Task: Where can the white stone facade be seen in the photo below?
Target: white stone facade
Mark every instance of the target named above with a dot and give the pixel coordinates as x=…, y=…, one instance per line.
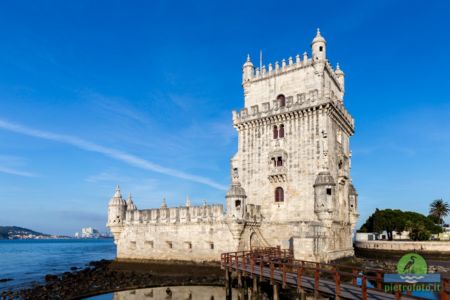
x=291, y=184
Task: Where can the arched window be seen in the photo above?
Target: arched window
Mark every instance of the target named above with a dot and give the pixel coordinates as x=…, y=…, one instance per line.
x=279, y=161
x=279, y=194
x=281, y=132
x=281, y=100
x=275, y=132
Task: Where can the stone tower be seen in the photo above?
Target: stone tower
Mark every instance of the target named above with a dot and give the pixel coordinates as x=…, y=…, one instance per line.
x=293, y=153
x=290, y=178
x=116, y=213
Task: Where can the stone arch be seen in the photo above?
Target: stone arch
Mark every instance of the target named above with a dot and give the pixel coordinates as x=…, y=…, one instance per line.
x=255, y=242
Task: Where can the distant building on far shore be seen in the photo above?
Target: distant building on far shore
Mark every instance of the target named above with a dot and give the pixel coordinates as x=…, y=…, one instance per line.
x=90, y=233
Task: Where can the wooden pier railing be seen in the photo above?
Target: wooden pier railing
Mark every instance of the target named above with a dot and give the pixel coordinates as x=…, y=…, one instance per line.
x=342, y=281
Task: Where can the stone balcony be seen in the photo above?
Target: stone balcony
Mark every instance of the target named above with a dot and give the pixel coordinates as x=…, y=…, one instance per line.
x=277, y=174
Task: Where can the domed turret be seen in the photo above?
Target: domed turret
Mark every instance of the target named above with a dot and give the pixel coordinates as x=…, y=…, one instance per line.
x=236, y=198
x=318, y=47
x=340, y=75
x=247, y=70
x=116, y=213
x=130, y=203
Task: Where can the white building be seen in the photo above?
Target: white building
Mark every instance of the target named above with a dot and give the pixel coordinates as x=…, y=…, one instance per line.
x=290, y=178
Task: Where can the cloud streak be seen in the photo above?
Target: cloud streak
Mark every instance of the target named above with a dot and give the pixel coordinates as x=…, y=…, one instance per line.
x=109, y=152
x=15, y=172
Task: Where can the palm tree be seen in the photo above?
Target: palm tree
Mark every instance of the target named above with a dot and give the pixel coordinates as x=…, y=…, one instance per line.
x=439, y=209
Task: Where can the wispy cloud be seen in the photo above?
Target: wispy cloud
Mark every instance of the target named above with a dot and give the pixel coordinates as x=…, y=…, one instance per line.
x=11, y=171
x=116, y=106
x=110, y=152
x=10, y=164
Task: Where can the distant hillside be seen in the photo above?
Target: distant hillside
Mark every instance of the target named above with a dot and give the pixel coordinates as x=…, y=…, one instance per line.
x=7, y=232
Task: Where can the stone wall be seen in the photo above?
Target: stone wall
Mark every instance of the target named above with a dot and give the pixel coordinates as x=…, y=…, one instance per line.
x=405, y=246
x=195, y=242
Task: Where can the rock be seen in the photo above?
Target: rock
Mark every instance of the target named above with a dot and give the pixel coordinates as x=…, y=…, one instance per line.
x=73, y=268
x=5, y=279
x=50, y=277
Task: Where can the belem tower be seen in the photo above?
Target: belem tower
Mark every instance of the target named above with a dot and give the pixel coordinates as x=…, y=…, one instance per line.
x=290, y=178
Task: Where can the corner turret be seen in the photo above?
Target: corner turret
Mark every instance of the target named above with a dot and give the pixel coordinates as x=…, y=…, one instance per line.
x=130, y=204
x=116, y=214
x=247, y=70
x=340, y=76
x=324, y=197
x=318, y=47
x=236, y=198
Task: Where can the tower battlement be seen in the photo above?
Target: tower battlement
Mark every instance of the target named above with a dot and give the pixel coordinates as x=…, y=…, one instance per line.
x=301, y=104
x=183, y=214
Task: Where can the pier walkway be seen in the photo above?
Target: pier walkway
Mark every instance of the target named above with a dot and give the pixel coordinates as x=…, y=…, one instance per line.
x=341, y=282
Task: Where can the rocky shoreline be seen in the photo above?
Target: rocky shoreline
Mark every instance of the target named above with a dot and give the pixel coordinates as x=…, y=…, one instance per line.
x=109, y=276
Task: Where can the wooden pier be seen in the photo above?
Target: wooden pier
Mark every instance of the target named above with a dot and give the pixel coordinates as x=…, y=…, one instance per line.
x=338, y=281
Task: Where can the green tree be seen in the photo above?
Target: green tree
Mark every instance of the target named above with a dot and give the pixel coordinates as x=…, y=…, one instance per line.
x=389, y=220
x=418, y=232
x=439, y=209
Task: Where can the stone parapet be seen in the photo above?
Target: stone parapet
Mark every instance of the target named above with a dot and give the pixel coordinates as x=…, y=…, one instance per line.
x=171, y=215
x=303, y=103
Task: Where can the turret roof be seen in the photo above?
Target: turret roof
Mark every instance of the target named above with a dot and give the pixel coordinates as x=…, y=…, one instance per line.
x=319, y=37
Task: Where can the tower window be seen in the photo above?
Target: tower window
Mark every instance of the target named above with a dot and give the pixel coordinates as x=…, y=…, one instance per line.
x=281, y=131
x=279, y=161
x=329, y=191
x=279, y=194
x=237, y=203
x=274, y=161
x=281, y=100
x=320, y=48
x=275, y=132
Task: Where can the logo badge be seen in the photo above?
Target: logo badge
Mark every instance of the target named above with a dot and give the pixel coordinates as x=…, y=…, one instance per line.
x=412, y=272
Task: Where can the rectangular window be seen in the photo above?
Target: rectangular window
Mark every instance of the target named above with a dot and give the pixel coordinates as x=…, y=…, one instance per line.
x=211, y=246
x=169, y=244
x=329, y=191
x=149, y=244
x=279, y=161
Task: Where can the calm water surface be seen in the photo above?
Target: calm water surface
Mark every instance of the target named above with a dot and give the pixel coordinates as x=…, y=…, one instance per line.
x=26, y=261
x=172, y=293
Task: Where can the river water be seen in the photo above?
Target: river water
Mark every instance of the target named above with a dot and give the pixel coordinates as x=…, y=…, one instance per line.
x=28, y=261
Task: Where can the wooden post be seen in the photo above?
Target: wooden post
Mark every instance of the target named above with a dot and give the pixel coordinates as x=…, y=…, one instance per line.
x=261, y=268
x=299, y=279
x=244, y=264
x=337, y=280
x=236, y=258
x=364, y=288
x=444, y=285
x=398, y=293
x=316, y=279
x=283, y=270
x=355, y=276
x=252, y=265
x=228, y=287
x=379, y=280
x=239, y=278
x=275, y=292
x=272, y=267
x=255, y=284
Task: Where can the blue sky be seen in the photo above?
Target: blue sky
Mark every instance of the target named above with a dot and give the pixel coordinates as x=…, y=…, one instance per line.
x=140, y=93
